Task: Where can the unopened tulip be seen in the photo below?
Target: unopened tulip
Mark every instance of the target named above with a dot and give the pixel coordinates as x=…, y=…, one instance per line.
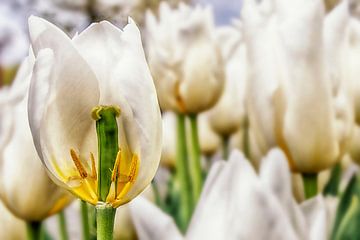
x=94, y=85
x=227, y=116
x=25, y=187
x=210, y=141
x=10, y=226
x=184, y=58
x=168, y=153
x=290, y=93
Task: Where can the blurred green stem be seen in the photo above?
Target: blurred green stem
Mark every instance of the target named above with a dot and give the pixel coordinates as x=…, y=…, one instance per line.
x=33, y=230
x=195, y=160
x=105, y=215
x=246, y=139
x=310, y=184
x=62, y=226
x=183, y=174
x=85, y=220
x=225, y=148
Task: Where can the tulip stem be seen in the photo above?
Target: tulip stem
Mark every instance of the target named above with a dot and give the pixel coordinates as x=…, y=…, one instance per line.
x=85, y=220
x=62, y=226
x=225, y=148
x=33, y=230
x=246, y=143
x=310, y=184
x=105, y=215
x=183, y=174
x=195, y=160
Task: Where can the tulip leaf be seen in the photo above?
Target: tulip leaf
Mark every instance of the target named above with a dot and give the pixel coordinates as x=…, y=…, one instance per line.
x=346, y=210
x=349, y=226
x=332, y=186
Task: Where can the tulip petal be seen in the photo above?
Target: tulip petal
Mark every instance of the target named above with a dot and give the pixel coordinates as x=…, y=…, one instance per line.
x=130, y=86
x=161, y=226
x=63, y=92
x=275, y=175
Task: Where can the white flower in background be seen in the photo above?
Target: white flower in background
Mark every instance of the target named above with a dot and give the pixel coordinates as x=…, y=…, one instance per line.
x=290, y=103
x=72, y=16
x=168, y=152
x=247, y=206
x=209, y=140
x=14, y=43
x=101, y=66
x=184, y=58
x=227, y=116
x=25, y=187
x=10, y=226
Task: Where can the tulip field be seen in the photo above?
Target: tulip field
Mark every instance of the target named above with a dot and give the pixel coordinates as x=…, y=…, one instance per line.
x=179, y=120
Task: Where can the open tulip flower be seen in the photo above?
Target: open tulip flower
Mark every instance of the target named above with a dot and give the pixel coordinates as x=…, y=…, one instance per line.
x=93, y=111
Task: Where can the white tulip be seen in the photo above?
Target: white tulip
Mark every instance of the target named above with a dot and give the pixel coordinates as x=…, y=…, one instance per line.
x=184, y=58
x=102, y=67
x=168, y=153
x=227, y=116
x=10, y=226
x=209, y=140
x=247, y=206
x=25, y=187
x=290, y=99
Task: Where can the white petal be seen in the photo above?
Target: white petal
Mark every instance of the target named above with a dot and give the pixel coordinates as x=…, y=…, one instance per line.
x=151, y=223
x=63, y=92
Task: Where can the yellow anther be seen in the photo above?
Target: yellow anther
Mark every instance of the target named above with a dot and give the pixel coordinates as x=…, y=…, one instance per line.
x=78, y=165
x=133, y=168
x=116, y=166
x=93, y=167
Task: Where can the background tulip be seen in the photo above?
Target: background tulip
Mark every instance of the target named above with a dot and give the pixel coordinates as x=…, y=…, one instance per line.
x=290, y=102
x=25, y=187
x=184, y=58
x=227, y=116
x=10, y=226
x=168, y=154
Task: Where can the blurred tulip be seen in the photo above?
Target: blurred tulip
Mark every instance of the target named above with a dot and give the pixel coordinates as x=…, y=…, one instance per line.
x=74, y=78
x=227, y=116
x=290, y=100
x=124, y=228
x=247, y=206
x=210, y=141
x=184, y=58
x=168, y=153
x=11, y=228
x=25, y=187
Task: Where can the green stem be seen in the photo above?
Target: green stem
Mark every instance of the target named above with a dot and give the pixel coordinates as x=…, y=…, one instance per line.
x=85, y=220
x=33, y=230
x=195, y=163
x=62, y=226
x=246, y=141
x=310, y=184
x=105, y=215
x=183, y=174
x=225, y=153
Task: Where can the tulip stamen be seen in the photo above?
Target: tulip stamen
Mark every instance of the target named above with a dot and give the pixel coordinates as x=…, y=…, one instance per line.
x=93, y=167
x=78, y=165
x=115, y=173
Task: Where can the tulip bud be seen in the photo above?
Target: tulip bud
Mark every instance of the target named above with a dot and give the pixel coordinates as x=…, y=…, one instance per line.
x=184, y=58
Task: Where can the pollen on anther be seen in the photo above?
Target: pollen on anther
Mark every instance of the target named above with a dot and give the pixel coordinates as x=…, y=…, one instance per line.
x=93, y=166
x=116, y=166
x=78, y=165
